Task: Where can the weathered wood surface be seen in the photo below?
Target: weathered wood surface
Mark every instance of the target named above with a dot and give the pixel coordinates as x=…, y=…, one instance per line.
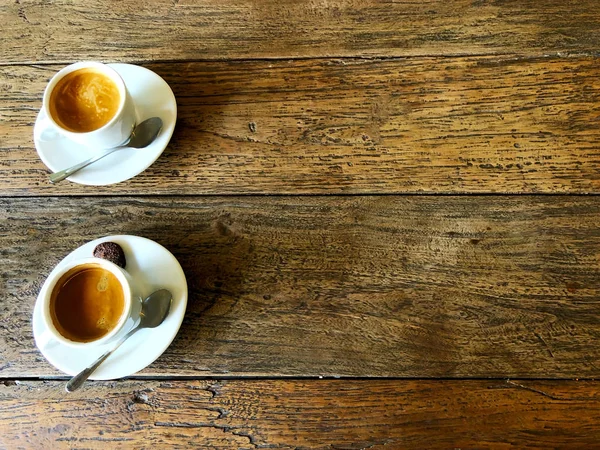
x=424, y=286
x=462, y=125
x=327, y=97
x=35, y=31
x=310, y=414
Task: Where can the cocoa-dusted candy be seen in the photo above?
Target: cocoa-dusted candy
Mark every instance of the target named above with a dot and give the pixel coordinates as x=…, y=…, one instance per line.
x=112, y=252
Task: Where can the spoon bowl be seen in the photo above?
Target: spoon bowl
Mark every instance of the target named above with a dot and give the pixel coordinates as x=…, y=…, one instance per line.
x=155, y=309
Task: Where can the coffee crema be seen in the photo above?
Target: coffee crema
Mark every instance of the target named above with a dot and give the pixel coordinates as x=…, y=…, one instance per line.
x=84, y=100
x=87, y=303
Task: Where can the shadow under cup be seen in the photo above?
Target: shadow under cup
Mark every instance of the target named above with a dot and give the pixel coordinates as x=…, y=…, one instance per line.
x=88, y=303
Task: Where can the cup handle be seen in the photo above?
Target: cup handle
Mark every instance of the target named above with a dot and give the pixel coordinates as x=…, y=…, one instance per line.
x=45, y=131
x=44, y=340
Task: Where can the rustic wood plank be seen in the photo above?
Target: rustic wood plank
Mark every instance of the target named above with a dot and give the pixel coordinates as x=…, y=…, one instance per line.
x=36, y=31
x=395, y=126
x=422, y=286
x=310, y=414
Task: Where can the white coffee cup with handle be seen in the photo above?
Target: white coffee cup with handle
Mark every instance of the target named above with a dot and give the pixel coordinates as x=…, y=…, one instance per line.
x=88, y=103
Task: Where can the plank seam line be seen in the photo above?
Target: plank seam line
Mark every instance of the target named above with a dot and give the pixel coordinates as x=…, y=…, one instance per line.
x=507, y=380
x=315, y=195
x=518, y=56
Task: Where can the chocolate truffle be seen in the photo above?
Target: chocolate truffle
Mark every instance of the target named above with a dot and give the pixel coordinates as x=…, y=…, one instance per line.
x=112, y=252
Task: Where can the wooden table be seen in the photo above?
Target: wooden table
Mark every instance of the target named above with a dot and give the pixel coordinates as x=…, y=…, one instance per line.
x=387, y=214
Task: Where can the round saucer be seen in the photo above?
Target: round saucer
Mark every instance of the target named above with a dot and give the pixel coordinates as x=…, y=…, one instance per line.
x=154, y=267
x=152, y=97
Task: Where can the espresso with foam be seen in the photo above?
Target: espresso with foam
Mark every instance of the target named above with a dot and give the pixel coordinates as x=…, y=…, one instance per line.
x=84, y=100
x=87, y=303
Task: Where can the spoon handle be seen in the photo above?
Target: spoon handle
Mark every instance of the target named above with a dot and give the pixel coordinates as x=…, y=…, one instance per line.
x=76, y=382
x=59, y=176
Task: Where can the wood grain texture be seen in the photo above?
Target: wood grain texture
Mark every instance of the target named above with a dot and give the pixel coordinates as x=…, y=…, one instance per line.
x=38, y=31
x=441, y=286
x=453, y=125
x=311, y=414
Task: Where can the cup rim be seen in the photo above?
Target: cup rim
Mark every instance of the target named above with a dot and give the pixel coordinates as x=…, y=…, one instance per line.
x=50, y=285
x=107, y=70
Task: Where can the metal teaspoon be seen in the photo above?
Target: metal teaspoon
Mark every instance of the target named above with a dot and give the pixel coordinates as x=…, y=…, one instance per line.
x=154, y=311
x=142, y=136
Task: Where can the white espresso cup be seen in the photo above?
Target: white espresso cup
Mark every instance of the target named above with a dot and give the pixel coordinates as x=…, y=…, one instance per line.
x=71, y=299
x=92, y=99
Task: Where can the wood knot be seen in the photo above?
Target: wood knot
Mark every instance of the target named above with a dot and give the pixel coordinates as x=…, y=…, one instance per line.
x=140, y=397
x=223, y=229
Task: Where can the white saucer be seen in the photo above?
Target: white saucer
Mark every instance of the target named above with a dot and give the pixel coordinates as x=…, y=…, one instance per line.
x=154, y=267
x=152, y=96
